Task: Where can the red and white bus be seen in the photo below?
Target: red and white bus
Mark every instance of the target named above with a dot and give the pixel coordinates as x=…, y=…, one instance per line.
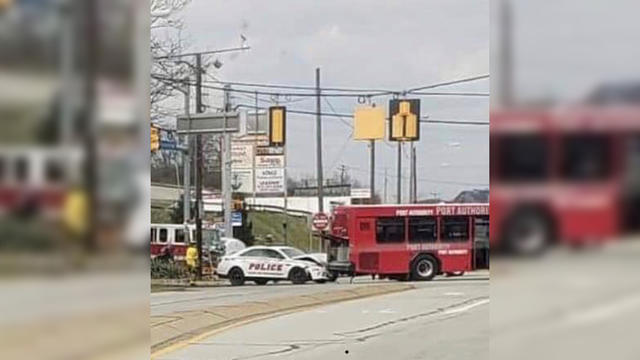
x=563, y=174
x=409, y=241
x=177, y=237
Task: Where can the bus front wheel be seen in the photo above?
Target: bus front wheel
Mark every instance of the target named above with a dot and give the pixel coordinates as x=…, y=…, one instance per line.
x=424, y=268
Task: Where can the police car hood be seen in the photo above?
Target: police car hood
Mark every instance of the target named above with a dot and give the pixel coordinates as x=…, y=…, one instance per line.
x=313, y=257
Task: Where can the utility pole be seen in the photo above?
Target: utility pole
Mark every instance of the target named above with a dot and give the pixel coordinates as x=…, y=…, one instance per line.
x=319, y=148
x=90, y=46
x=372, y=180
x=399, y=185
x=67, y=63
x=414, y=170
x=385, y=200
x=506, y=78
x=227, y=189
x=255, y=149
x=199, y=166
x=319, y=144
x=186, y=162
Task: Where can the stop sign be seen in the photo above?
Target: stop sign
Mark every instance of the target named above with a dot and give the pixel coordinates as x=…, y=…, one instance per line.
x=320, y=221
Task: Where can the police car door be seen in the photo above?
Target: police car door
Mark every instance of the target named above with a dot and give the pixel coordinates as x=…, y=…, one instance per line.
x=277, y=263
x=251, y=261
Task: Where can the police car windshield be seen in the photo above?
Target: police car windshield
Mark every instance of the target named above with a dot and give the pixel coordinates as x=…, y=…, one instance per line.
x=292, y=252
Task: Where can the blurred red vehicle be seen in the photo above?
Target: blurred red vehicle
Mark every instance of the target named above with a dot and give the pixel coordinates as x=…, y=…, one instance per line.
x=563, y=175
x=36, y=180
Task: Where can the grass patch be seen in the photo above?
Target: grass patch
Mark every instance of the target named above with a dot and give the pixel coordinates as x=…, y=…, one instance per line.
x=270, y=223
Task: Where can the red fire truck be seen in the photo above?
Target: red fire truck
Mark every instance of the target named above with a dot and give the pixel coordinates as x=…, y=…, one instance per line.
x=563, y=174
x=409, y=241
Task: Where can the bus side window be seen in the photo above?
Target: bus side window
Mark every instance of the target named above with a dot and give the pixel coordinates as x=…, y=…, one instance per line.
x=163, y=236
x=481, y=229
x=179, y=236
x=21, y=169
x=3, y=169
x=153, y=235
x=390, y=230
x=455, y=229
x=422, y=229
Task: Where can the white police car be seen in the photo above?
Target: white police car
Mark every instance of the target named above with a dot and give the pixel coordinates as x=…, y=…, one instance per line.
x=263, y=263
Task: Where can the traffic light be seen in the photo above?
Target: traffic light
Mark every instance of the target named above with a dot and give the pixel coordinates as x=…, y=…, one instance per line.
x=405, y=120
x=277, y=125
x=155, y=138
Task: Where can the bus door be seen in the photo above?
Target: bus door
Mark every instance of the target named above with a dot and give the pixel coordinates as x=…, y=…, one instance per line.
x=481, y=242
x=455, y=243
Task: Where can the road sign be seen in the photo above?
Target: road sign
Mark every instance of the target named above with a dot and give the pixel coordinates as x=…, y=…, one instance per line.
x=236, y=219
x=360, y=193
x=368, y=123
x=209, y=123
x=320, y=221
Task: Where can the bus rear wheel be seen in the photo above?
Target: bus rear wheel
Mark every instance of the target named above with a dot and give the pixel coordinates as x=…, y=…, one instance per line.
x=424, y=268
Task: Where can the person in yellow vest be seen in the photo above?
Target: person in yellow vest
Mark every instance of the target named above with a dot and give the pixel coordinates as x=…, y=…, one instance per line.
x=192, y=263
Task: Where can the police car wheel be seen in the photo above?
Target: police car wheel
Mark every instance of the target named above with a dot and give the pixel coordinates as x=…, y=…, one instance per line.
x=298, y=276
x=424, y=268
x=236, y=277
x=261, y=281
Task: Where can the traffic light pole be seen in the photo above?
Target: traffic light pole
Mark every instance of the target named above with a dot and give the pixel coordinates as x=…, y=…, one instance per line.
x=372, y=183
x=399, y=189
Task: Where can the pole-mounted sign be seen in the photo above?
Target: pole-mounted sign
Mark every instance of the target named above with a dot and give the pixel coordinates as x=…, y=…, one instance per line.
x=404, y=124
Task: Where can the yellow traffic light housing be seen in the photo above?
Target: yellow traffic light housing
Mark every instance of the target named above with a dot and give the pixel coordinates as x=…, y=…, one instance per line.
x=155, y=138
x=277, y=125
x=404, y=117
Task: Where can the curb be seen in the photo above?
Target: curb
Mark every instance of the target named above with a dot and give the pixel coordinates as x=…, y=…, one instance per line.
x=172, y=332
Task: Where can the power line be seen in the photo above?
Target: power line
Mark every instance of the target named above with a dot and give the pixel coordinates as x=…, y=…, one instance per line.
x=297, y=87
x=444, y=182
x=423, y=119
x=447, y=83
x=339, y=92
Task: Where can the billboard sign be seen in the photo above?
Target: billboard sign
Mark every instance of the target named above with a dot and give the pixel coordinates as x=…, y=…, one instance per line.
x=269, y=161
x=242, y=180
x=241, y=156
x=270, y=180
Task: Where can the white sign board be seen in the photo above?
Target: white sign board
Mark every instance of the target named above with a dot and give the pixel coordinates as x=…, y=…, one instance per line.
x=241, y=156
x=360, y=193
x=242, y=180
x=269, y=161
x=270, y=180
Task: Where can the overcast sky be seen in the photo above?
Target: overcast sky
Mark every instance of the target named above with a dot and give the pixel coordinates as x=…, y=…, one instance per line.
x=364, y=44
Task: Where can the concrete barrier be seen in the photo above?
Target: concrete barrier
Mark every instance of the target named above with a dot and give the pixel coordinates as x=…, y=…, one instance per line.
x=170, y=332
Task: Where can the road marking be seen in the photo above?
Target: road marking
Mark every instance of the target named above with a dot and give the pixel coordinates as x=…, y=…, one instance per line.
x=454, y=294
x=466, y=307
x=605, y=311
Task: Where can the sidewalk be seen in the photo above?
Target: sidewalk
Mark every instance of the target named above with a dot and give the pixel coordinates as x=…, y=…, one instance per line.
x=169, y=332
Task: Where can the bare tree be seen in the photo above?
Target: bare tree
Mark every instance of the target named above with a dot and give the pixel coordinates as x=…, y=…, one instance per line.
x=166, y=41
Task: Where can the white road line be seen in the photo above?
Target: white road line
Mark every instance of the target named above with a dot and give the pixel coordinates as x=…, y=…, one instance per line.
x=454, y=294
x=604, y=312
x=466, y=307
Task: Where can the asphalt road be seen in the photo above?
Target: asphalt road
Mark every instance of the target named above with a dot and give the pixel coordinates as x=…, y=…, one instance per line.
x=444, y=319
x=166, y=302
x=568, y=305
